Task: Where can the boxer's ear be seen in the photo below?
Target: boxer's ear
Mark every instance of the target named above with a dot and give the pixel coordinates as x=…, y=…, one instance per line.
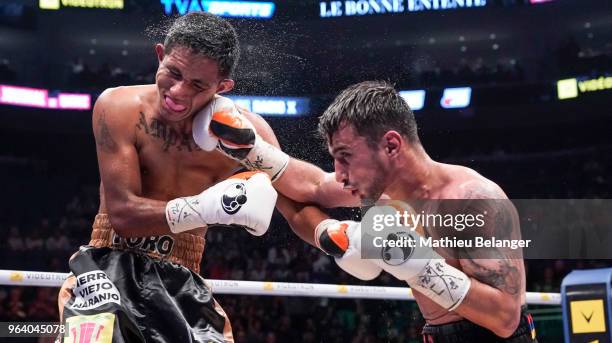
x=225, y=86
x=159, y=50
x=392, y=142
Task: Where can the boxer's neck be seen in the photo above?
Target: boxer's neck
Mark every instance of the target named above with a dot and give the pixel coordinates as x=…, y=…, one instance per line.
x=416, y=176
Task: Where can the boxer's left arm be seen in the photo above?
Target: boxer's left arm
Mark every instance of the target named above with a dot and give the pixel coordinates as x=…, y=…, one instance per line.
x=247, y=138
x=303, y=181
x=487, y=289
x=497, y=283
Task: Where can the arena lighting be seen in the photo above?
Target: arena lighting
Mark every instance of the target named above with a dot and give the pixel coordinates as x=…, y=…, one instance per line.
x=34, y=97
x=74, y=101
x=23, y=96
x=237, y=9
x=456, y=97
x=57, y=4
x=370, y=7
x=274, y=106
x=415, y=99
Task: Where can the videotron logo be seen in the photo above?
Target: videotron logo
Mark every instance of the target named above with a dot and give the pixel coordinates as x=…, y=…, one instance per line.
x=57, y=4
x=49, y=4
x=16, y=276
x=567, y=89
x=572, y=88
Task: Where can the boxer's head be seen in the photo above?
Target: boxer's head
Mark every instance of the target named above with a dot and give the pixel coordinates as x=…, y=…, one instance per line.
x=366, y=127
x=196, y=61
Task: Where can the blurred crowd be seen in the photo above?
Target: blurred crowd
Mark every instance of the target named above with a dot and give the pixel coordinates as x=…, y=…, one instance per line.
x=266, y=71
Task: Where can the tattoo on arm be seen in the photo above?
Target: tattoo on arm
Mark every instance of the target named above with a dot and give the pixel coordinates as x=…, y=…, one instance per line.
x=105, y=139
x=505, y=276
x=496, y=267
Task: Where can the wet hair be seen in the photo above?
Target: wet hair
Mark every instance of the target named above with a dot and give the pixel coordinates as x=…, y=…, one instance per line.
x=372, y=108
x=208, y=35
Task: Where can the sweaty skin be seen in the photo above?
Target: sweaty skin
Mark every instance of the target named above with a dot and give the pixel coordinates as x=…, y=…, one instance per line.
x=498, y=285
x=401, y=170
x=506, y=277
x=146, y=160
x=147, y=155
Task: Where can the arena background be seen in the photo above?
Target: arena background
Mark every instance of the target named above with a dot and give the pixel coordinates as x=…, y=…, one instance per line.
x=513, y=127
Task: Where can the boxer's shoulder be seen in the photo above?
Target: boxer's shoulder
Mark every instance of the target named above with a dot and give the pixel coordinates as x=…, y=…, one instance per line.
x=117, y=110
x=126, y=99
x=466, y=183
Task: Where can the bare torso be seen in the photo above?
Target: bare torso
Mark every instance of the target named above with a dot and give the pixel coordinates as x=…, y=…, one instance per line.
x=171, y=165
x=461, y=182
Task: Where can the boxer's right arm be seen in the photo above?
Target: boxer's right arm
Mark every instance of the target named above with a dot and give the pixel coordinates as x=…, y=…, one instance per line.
x=340, y=239
x=130, y=213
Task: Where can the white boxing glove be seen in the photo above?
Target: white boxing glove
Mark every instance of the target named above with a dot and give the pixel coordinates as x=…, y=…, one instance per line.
x=416, y=263
x=424, y=270
x=245, y=199
x=220, y=125
x=342, y=239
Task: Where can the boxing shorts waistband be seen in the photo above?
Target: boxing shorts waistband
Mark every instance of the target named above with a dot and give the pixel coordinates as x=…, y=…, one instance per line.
x=185, y=248
x=460, y=330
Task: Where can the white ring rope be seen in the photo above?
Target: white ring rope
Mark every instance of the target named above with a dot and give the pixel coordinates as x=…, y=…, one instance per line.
x=47, y=279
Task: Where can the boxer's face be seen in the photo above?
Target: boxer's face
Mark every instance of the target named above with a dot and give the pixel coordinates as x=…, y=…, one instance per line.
x=186, y=82
x=359, y=166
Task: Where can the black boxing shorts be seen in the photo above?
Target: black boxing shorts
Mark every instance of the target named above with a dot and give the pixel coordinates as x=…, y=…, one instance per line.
x=465, y=331
x=127, y=294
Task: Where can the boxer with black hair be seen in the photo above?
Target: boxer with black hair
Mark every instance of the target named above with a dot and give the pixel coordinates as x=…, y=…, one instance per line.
x=138, y=278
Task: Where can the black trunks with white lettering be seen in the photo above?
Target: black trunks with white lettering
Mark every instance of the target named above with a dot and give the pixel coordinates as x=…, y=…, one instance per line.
x=121, y=296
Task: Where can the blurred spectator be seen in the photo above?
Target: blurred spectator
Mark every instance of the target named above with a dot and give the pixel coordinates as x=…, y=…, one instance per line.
x=43, y=307
x=16, y=309
x=15, y=242
x=7, y=74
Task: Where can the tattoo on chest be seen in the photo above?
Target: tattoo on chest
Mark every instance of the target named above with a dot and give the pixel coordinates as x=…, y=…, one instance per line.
x=169, y=136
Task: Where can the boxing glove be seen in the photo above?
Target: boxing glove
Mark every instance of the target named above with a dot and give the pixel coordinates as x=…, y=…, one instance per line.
x=245, y=199
x=418, y=264
x=220, y=125
x=342, y=240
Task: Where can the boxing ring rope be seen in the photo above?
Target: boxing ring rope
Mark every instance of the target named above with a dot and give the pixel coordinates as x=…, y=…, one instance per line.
x=269, y=288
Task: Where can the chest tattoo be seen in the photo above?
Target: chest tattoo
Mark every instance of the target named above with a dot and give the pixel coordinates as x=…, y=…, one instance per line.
x=170, y=137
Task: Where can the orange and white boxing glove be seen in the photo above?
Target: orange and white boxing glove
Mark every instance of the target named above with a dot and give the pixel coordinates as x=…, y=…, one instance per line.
x=421, y=267
x=220, y=125
x=342, y=240
x=246, y=200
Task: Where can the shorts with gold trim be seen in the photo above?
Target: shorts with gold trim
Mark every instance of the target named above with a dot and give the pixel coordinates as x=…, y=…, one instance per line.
x=121, y=296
